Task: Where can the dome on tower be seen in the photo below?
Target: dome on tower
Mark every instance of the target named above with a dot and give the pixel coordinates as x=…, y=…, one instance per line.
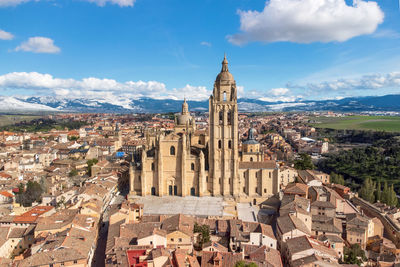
x=224, y=75
x=184, y=117
x=250, y=137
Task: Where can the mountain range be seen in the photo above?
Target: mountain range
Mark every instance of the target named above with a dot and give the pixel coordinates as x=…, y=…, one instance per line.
x=10, y=104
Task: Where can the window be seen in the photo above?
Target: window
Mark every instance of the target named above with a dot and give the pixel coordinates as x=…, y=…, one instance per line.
x=172, y=150
x=224, y=96
x=153, y=191
x=219, y=144
x=151, y=242
x=152, y=166
x=180, y=239
x=229, y=118
x=172, y=239
x=199, y=142
x=75, y=261
x=229, y=144
x=265, y=190
x=221, y=117
x=192, y=166
x=251, y=158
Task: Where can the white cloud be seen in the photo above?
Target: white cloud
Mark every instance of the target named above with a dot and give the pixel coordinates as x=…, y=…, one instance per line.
x=366, y=82
x=306, y=21
x=121, y=3
x=205, y=44
x=97, y=88
x=6, y=3
x=38, y=45
x=5, y=35
x=279, y=91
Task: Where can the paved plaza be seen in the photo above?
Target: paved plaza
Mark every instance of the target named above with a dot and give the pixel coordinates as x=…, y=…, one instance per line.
x=199, y=206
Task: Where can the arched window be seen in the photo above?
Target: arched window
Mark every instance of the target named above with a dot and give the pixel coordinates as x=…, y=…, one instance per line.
x=172, y=150
x=152, y=166
x=251, y=158
x=224, y=96
x=221, y=117
x=229, y=118
x=192, y=166
x=229, y=144
x=219, y=144
x=199, y=142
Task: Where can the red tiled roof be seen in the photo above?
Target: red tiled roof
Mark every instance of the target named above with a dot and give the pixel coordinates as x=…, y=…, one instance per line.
x=6, y=194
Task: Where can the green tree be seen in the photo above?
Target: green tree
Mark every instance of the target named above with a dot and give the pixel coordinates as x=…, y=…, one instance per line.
x=385, y=193
x=392, y=198
x=244, y=264
x=304, y=162
x=204, y=231
x=90, y=164
x=378, y=192
x=337, y=178
x=354, y=255
x=367, y=191
x=73, y=173
x=32, y=193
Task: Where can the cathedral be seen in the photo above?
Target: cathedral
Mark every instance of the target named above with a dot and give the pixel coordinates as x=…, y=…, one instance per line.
x=189, y=162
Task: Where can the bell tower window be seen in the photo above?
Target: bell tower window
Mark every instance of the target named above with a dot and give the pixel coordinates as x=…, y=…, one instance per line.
x=221, y=117
x=219, y=144
x=224, y=96
x=229, y=118
x=172, y=150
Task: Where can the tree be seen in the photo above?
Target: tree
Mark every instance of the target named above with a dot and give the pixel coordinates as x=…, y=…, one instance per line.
x=244, y=264
x=204, y=231
x=385, y=193
x=367, y=190
x=304, y=162
x=378, y=192
x=32, y=193
x=90, y=163
x=354, y=255
x=337, y=178
x=73, y=173
x=392, y=198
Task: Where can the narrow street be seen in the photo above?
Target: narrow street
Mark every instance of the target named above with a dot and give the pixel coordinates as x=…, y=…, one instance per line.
x=99, y=254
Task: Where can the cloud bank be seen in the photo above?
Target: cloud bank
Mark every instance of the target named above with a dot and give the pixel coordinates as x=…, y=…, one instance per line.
x=97, y=88
x=306, y=21
x=365, y=82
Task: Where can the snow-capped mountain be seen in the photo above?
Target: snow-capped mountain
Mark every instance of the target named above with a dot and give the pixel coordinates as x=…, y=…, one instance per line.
x=149, y=105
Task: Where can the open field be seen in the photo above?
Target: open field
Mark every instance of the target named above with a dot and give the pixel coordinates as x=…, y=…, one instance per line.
x=374, y=123
x=12, y=119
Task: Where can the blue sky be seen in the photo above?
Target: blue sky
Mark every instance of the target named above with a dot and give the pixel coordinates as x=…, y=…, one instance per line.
x=179, y=45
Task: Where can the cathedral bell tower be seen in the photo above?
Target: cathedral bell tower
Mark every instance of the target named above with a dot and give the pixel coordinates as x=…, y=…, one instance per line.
x=223, y=150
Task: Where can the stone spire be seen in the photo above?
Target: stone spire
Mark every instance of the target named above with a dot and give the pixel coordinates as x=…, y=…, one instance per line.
x=225, y=65
x=185, y=107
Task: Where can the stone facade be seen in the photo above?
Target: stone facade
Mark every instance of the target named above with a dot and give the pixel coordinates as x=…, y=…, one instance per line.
x=188, y=162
